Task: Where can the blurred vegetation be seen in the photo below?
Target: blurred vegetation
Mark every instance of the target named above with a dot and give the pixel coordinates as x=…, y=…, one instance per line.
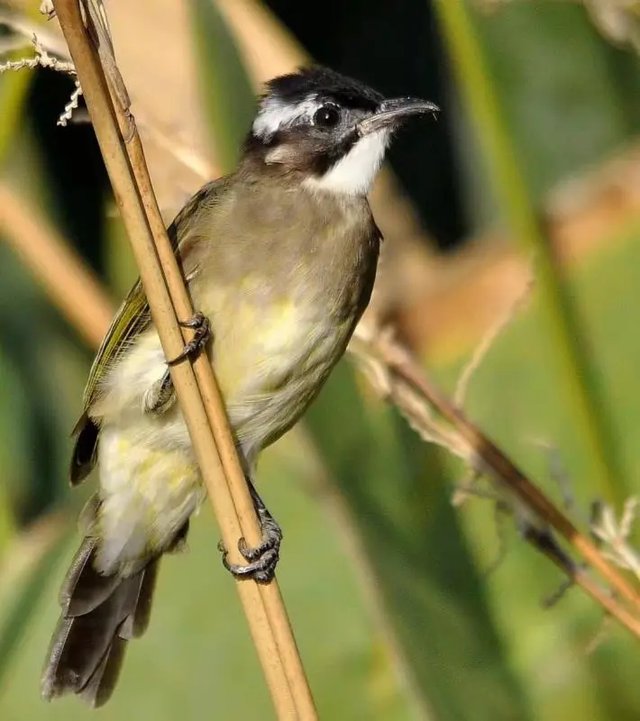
x=386, y=583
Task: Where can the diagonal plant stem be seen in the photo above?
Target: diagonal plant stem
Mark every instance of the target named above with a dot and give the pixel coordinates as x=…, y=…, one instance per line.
x=399, y=379
x=195, y=385
x=407, y=371
x=516, y=480
x=56, y=266
x=578, y=376
x=483, y=453
x=401, y=366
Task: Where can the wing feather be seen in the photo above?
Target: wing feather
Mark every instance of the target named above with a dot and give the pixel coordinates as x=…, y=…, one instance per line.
x=134, y=316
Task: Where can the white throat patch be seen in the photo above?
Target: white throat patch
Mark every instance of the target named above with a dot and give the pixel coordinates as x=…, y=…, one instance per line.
x=354, y=174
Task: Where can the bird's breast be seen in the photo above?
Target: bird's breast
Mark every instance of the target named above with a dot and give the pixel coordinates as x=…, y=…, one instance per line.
x=273, y=352
x=271, y=359
x=283, y=290
x=290, y=276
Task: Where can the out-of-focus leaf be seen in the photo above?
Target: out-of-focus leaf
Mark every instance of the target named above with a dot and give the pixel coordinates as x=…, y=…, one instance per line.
x=514, y=398
x=14, y=446
x=394, y=489
x=39, y=555
x=15, y=460
x=42, y=385
x=225, y=86
x=572, y=355
x=13, y=90
x=7, y=518
x=561, y=85
x=196, y=659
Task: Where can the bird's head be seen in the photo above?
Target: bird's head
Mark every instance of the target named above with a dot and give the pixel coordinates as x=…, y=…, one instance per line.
x=330, y=130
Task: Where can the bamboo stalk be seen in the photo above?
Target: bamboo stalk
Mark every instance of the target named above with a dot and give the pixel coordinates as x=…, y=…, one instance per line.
x=22, y=219
x=201, y=404
x=579, y=378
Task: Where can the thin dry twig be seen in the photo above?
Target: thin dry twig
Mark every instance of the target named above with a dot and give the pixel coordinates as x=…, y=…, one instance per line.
x=70, y=106
x=534, y=513
x=370, y=350
x=399, y=380
x=199, y=397
x=44, y=60
x=40, y=59
x=417, y=414
x=487, y=342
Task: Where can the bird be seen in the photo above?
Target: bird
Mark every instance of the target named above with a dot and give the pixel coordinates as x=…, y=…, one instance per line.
x=280, y=258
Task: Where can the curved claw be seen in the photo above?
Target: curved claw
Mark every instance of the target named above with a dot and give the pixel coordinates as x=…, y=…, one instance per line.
x=263, y=559
x=271, y=539
x=262, y=570
x=201, y=335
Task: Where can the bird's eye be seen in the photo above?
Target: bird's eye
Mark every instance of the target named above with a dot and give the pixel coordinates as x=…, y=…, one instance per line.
x=327, y=116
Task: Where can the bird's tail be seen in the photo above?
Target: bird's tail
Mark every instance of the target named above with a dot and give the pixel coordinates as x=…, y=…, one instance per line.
x=100, y=613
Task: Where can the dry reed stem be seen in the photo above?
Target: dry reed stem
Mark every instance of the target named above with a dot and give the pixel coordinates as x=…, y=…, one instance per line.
x=64, y=276
x=405, y=376
x=415, y=397
x=602, y=596
x=195, y=385
x=214, y=406
x=415, y=390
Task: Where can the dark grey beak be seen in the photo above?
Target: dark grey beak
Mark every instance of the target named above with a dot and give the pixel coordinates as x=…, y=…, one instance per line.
x=393, y=112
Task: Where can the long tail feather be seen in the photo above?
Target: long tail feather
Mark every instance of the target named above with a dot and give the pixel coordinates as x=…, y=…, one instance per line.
x=99, y=615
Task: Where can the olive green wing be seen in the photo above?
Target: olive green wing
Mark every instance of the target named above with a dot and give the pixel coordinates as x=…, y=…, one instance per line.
x=132, y=318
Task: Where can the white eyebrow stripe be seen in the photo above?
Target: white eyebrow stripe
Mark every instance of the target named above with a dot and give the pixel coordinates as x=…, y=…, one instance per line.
x=275, y=114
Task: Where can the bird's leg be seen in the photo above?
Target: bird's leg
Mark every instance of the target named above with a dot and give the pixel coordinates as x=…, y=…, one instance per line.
x=262, y=559
x=201, y=334
x=161, y=396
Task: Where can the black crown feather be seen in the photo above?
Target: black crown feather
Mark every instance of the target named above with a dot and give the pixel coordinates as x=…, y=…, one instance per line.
x=319, y=80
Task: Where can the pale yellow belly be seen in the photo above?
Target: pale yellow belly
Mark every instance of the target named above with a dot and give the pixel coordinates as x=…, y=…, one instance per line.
x=147, y=493
x=269, y=366
x=270, y=361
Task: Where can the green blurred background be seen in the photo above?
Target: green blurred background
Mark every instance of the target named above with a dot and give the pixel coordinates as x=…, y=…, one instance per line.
x=386, y=583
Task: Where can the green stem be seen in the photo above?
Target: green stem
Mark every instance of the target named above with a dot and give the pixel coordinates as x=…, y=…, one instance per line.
x=13, y=92
x=225, y=87
x=579, y=378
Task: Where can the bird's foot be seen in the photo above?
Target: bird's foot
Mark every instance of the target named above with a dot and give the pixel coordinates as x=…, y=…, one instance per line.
x=262, y=559
x=161, y=396
x=201, y=335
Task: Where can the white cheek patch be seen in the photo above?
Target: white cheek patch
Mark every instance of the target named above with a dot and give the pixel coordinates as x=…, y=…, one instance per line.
x=354, y=174
x=275, y=114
